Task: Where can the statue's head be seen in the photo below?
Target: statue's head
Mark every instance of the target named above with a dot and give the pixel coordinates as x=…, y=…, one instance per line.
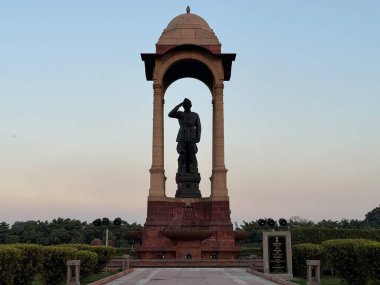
x=186, y=104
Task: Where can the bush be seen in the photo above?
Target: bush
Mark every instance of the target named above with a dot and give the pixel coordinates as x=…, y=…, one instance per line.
x=341, y=255
x=10, y=259
x=105, y=254
x=54, y=261
x=318, y=234
x=303, y=252
x=120, y=251
x=30, y=264
x=88, y=262
x=368, y=255
x=248, y=251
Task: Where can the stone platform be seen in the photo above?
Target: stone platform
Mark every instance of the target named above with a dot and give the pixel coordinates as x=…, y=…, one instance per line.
x=257, y=264
x=192, y=276
x=192, y=228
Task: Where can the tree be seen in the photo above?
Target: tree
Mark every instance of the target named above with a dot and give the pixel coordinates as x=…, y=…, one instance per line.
x=32, y=232
x=66, y=231
x=352, y=224
x=328, y=224
x=62, y=231
x=298, y=221
x=373, y=217
x=255, y=231
x=4, y=232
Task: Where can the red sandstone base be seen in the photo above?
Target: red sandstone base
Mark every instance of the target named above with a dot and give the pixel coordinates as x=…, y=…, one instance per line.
x=188, y=228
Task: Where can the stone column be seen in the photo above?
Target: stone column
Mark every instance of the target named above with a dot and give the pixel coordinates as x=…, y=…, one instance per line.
x=157, y=171
x=219, y=171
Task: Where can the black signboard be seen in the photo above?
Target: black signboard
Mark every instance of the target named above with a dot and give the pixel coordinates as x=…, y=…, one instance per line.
x=277, y=254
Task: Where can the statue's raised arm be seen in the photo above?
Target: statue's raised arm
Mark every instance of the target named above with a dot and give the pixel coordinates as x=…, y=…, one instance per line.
x=173, y=113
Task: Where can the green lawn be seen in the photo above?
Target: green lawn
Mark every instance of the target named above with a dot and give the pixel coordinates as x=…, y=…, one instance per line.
x=88, y=280
x=325, y=280
x=96, y=277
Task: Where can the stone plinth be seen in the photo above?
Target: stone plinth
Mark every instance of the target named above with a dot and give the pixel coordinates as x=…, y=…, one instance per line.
x=115, y=264
x=73, y=272
x=277, y=254
x=176, y=228
x=188, y=185
x=313, y=272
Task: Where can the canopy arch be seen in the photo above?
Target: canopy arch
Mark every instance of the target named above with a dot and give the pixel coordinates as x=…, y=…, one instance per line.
x=188, y=61
x=188, y=48
x=188, y=68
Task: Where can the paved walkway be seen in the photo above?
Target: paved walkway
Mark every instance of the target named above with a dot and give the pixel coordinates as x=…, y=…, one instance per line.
x=190, y=276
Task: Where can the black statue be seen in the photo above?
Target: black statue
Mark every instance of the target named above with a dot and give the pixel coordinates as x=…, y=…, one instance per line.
x=189, y=135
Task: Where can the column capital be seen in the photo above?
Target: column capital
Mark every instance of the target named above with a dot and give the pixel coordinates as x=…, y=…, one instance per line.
x=218, y=86
x=156, y=169
x=157, y=86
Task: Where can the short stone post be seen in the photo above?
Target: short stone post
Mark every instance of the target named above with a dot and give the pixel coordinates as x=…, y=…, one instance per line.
x=73, y=273
x=125, y=262
x=313, y=272
x=252, y=259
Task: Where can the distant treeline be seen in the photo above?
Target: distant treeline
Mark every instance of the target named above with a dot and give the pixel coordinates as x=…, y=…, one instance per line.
x=62, y=231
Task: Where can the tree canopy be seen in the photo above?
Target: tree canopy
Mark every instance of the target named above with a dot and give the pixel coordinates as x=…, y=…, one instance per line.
x=373, y=217
x=62, y=231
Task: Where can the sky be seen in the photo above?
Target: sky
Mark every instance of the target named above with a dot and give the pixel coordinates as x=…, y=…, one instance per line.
x=302, y=108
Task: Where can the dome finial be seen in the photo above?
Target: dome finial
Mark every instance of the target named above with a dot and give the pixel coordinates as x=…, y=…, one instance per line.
x=188, y=9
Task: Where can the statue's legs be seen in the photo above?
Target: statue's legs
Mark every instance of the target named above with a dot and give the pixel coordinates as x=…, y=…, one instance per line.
x=187, y=177
x=181, y=163
x=187, y=161
x=194, y=164
x=181, y=149
x=191, y=161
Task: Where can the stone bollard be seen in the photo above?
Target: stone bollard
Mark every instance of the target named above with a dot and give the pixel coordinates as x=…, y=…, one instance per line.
x=73, y=267
x=313, y=272
x=252, y=259
x=125, y=262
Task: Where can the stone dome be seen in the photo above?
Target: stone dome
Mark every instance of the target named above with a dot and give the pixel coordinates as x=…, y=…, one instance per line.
x=186, y=29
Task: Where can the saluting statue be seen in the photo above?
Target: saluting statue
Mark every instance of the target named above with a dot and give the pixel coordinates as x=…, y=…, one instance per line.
x=189, y=135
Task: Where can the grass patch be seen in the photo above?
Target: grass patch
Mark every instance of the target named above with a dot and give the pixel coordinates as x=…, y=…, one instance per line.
x=38, y=279
x=325, y=280
x=96, y=277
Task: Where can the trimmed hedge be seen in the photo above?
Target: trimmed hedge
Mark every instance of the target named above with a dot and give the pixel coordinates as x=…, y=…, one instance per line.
x=248, y=251
x=368, y=255
x=88, y=262
x=354, y=260
x=120, y=251
x=105, y=254
x=318, y=235
x=54, y=261
x=301, y=253
x=10, y=259
x=19, y=263
x=30, y=263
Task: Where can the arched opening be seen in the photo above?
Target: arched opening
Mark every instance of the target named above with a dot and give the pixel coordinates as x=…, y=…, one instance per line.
x=198, y=93
x=188, y=68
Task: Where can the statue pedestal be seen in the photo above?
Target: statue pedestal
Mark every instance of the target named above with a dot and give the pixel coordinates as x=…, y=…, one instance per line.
x=177, y=228
x=188, y=185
